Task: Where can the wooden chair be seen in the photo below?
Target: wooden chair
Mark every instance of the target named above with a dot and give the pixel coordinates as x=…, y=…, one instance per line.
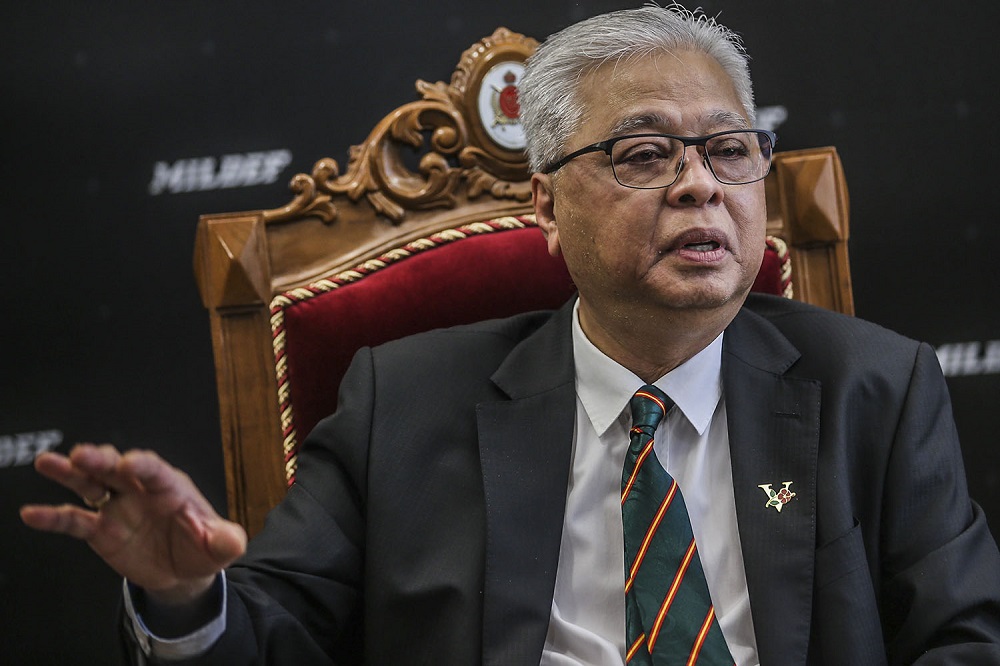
x=429, y=226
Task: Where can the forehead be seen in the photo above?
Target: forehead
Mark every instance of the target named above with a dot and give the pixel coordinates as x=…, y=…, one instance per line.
x=681, y=92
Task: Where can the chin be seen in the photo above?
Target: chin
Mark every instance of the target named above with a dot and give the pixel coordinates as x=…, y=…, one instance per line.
x=703, y=302
x=698, y=294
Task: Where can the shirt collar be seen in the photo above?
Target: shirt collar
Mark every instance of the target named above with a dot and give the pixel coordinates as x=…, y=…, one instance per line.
x=605, y=387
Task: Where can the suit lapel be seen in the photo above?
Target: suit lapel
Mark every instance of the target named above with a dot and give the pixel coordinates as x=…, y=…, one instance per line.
x=774, y=438
x=525, y=445
x=525, y=448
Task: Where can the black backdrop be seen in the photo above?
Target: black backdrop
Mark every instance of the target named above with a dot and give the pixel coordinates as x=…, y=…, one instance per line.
x=104, y=337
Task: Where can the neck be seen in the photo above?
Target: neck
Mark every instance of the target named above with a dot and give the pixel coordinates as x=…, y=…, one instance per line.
x=651, y=343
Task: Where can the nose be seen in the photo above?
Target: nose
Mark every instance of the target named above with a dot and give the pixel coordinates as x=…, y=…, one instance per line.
x=701, y=159
x=695, y=184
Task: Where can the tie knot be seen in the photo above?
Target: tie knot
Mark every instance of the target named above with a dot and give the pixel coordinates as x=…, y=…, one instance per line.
x=648, y=406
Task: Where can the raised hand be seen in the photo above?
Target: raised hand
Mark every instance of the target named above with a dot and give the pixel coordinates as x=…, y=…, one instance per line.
x=146, y=519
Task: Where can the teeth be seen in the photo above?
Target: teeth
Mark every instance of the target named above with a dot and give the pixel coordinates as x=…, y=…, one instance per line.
x=707, y=246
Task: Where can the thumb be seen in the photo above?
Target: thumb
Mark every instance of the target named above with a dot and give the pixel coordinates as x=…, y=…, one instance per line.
x=221, y=541
x=225, y=541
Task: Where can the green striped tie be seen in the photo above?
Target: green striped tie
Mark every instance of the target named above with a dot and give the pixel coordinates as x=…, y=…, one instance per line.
x=669, y=617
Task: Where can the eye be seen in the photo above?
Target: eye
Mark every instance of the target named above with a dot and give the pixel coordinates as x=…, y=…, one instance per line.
x=643, y=151
x=729, y=148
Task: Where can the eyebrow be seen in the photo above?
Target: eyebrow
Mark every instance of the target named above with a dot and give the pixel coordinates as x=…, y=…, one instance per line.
x=729, y=120
x=718, y=120
x=647, y=121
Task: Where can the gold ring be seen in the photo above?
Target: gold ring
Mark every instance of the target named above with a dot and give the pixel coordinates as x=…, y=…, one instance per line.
x=98, y=503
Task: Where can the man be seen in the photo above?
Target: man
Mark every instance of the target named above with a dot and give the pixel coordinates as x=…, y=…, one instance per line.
x=813, y=457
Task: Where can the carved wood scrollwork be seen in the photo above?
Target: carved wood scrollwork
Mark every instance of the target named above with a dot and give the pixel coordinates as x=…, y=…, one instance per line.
x=455, y=156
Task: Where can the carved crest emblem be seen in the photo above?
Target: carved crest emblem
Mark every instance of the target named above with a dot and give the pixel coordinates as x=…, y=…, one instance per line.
x=499, y=108
x=506, y=109
x=780, y=498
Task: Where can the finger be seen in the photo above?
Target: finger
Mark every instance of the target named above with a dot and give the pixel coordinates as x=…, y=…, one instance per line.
x=55, y=466
x=158, y=477
x=59, y=468
x=154, y=473
x=149, y=469
x=102, y=465
x=67, y=519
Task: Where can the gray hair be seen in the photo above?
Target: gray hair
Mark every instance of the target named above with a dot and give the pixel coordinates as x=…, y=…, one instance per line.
x=548, y=92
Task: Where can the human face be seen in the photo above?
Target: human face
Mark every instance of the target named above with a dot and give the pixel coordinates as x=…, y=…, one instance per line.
x=695, y=245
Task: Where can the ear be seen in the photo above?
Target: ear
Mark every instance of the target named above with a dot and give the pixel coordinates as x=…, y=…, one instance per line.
x=543, y=196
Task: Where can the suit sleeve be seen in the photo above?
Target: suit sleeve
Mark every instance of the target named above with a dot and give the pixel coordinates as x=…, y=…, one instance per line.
x=941, y=568
x=295, y=597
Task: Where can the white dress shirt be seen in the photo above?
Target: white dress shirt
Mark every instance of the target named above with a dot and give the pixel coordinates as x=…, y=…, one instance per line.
x=587, y=625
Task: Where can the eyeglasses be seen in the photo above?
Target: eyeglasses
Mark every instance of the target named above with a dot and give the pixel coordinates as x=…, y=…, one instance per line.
x=653, y=161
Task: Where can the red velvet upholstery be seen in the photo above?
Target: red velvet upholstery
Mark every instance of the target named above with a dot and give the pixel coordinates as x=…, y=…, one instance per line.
x=494, y=271
x=775, y=274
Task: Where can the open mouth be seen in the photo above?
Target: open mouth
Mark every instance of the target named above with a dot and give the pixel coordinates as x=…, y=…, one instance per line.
x=703, y=246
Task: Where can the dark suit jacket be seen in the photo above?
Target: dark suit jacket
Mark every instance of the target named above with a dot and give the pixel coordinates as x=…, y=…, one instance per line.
x=425, y=523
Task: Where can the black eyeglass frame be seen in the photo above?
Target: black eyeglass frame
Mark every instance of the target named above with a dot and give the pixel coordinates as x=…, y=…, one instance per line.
x=606, y=146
